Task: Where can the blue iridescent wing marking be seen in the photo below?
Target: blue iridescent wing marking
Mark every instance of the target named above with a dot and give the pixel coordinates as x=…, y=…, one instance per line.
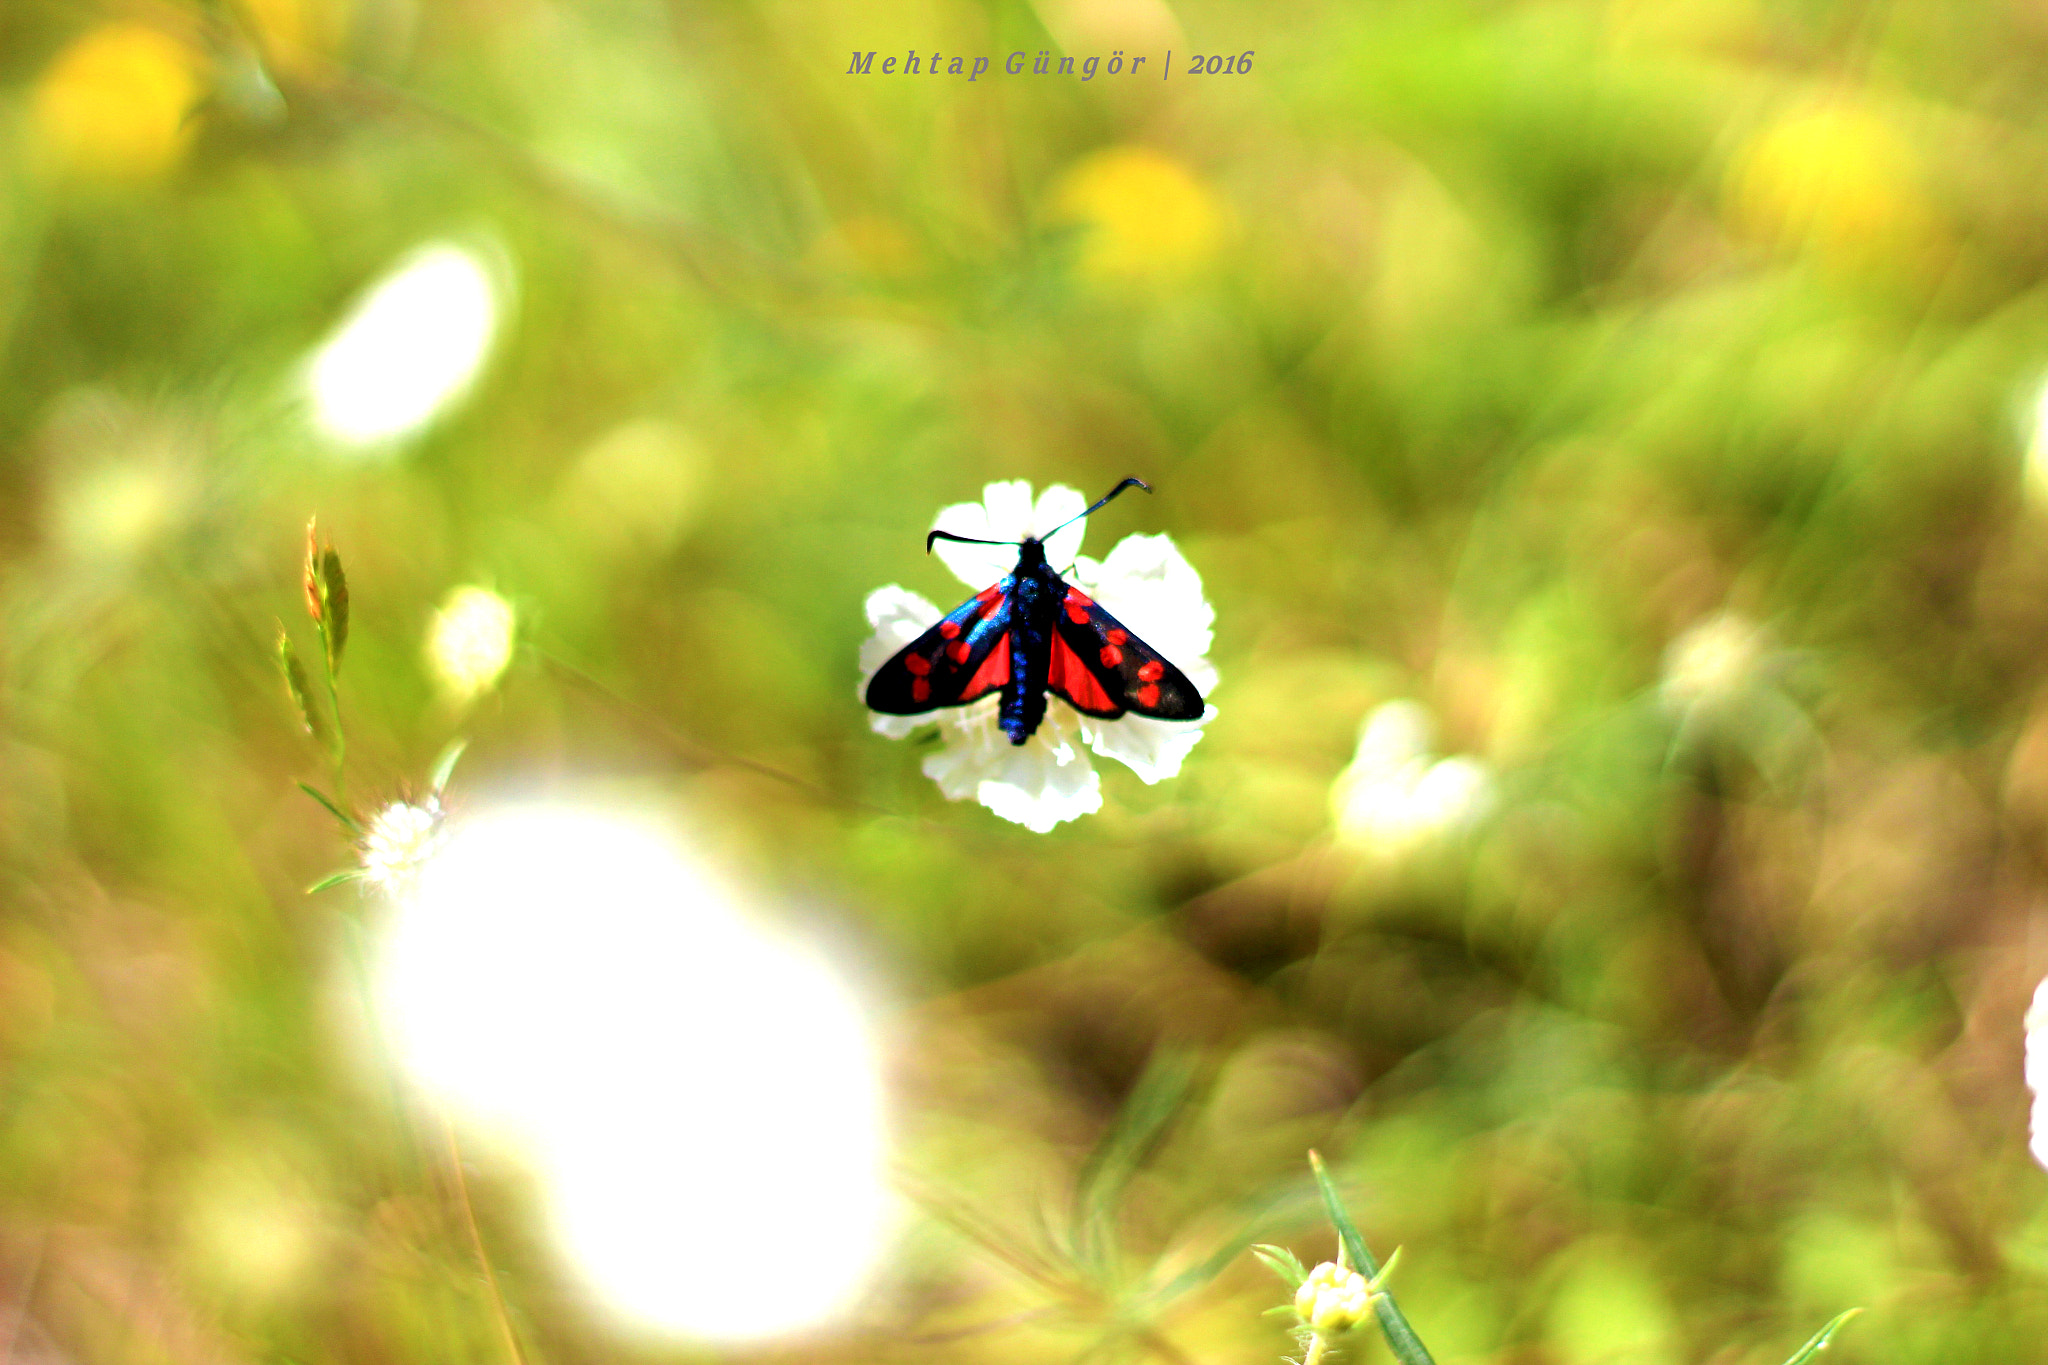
x=963, y=657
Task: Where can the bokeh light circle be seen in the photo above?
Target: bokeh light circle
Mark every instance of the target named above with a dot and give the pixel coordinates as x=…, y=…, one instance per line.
x=699, y=1098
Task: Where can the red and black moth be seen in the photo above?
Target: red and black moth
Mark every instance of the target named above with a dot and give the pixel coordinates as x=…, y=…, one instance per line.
x=1028, y=634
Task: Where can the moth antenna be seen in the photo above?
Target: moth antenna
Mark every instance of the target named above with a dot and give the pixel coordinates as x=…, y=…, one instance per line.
x=964, y=540
x=1127, y=483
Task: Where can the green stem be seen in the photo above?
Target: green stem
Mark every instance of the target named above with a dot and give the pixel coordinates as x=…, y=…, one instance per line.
x=1315, y=1349
x=476, y=1239
x=338, y=750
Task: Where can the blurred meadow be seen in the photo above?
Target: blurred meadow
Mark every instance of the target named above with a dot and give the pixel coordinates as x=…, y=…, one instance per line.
x=1609, y=433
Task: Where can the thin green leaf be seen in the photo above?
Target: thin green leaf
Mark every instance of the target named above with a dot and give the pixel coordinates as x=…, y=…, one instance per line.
x=1013, y=1251
x=1407, y=1347
x=1283, y=1263
x=1136, y=1134
x=1822, y=1338
x=336, y=811
x=1282, y=1207
x=352, y=874
x=298, y=686
x=444, y=766
x=334, y=595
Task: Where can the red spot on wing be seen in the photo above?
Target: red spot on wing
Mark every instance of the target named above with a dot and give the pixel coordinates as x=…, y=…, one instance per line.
x=950, y=629
x=993, y=673
x=1077, y=605
x=1068, y=676
x=1148, y=695
x=1151, y=671
x=917, y=664
x=1111, y=655
x=1117, y=636
x=958, y=650
x=920, y=689
x=989, y=595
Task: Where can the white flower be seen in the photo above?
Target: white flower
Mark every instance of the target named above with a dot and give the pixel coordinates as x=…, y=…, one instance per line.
x=1144, y=582
x=1725, y=683
x=1394, y=796
x=1712, y=663
x=2037, y=1071
x=470, y=642
x=397, y=843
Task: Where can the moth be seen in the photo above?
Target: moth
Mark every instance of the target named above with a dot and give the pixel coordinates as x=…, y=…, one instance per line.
x=1031, y=633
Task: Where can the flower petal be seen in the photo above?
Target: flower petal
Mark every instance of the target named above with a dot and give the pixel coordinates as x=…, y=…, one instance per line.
x=1150, y=748
x=2036, y=1024
x=1057, y=504
x=1008, y=506
x=969, y=754
x=1393, y=735
x=1037, y=784
x=1004, y=513
x=1051, y=795
x=898, y=616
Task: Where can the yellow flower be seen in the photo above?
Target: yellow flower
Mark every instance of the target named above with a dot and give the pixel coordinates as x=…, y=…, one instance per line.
x=1837, y=180
x=116, y=103
x=1145, y=214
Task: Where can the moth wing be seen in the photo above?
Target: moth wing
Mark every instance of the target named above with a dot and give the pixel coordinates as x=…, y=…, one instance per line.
x=1100, y=668
x=965, y=656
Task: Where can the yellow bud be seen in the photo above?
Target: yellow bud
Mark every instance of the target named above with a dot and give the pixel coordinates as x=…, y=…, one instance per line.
x=1332, y=1299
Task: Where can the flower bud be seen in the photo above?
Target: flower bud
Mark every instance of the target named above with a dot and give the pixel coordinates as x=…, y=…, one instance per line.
x=334, y=600
x=309, y=576
x=296, y=684
x=1332, y=1299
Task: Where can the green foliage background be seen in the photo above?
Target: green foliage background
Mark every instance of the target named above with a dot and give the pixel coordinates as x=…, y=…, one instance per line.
x=1499, y=346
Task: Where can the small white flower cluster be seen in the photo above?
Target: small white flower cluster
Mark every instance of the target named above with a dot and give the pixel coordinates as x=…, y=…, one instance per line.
x=1395, y=796
x=1144, y=582
x=397, y=843
x=1712, y=663
x=470, y=641
x=1726, y=683
x=1332, y=1299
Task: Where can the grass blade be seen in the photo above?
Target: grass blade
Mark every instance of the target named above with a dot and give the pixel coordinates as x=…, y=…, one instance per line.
x=1136, y=1134
x=1283, y=1263
x=444, y=766
x=1407, y=1347
x=1822, y=1338
x=1278, y=1208
x=298, y=686
x=336, y=811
